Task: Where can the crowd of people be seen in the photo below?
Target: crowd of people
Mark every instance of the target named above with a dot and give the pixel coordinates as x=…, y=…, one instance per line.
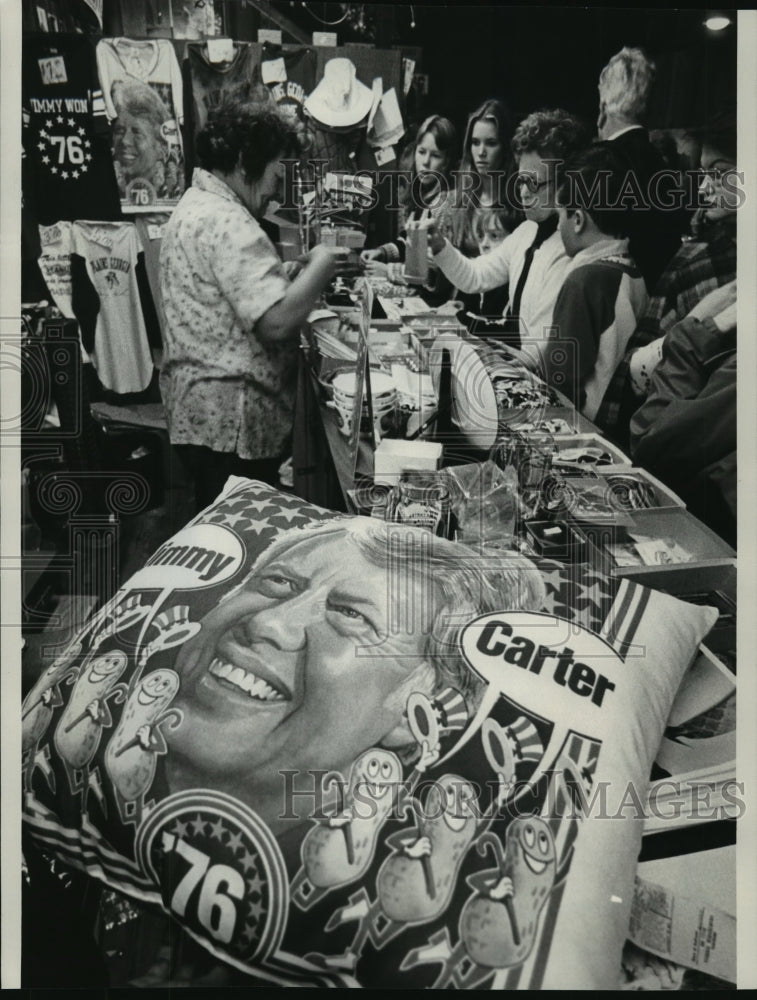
x=585, y=251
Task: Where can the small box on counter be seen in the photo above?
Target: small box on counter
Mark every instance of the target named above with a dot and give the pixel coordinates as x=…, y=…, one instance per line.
x=426, y=326
x=587, y=449
x=625, y=482
x=556, y=540
x=395, y=456
x=655, y=541
x=555, y=420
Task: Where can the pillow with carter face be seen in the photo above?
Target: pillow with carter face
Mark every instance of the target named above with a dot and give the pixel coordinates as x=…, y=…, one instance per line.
x=342, y=752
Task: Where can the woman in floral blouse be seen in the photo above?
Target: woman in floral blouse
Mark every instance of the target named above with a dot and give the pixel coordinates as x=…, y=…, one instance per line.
x=232, y=315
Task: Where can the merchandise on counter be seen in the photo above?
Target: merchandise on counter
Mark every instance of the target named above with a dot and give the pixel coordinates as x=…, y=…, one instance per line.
x=484, y=502
x=383, y=401
x=592, y=499
x=395, y=456
x=143, y=93
x=557, y=540
x=422, y=500
x=65, y=132
x=112, y=302
x=550, y=426
x=642, y=550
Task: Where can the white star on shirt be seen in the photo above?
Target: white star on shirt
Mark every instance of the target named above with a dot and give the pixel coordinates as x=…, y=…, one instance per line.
x=64, y=174
x=48, y=124
x=71, y=122
x=75, y=174
x=40, y=145
x=59, y=119
x=54, y=170
x=80, y=130
x=42, y=134
x=87, y=156
x=87, y=143
x=45, y=159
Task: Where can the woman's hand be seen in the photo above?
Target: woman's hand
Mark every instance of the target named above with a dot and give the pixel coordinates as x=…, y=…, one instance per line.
x=367, y=256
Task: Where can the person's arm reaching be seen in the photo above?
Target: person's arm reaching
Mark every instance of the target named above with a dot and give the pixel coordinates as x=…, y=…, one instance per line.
x=249, y=273
x=478, y=274
x=283, y=319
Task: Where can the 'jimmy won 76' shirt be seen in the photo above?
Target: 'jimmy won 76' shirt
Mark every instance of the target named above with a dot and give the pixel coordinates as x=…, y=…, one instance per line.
x=65, y=131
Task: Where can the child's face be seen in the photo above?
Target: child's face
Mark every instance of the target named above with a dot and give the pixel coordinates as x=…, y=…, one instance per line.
x=492, y=236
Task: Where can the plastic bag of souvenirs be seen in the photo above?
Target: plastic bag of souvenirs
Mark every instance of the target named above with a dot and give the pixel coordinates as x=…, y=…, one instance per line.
x=344, y=752
x=484, y=501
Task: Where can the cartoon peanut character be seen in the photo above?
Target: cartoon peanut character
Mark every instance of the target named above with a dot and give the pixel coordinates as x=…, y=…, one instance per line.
x=78, y=733
x=340, y=848
x=498, y=924
x=39, y=706
x=131, y=756
x=415, y=883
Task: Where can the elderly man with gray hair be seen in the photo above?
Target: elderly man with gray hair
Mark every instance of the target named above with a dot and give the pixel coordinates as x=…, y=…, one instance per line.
x=655, y=217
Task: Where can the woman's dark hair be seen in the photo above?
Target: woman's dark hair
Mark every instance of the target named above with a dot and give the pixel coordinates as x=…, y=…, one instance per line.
x=554, y=135
x=593, y=181
x=248, y=132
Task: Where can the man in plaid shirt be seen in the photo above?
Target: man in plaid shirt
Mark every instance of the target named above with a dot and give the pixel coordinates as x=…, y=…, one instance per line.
x=698, y=268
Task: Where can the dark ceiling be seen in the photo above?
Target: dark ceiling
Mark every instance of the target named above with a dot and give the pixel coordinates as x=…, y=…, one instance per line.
x=539, y=56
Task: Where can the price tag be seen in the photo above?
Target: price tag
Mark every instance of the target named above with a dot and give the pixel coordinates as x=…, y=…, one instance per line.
x=273, y=71
x=220, y=50
x=385, y=155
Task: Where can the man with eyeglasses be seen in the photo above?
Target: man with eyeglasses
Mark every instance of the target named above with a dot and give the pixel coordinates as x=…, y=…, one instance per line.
x=532, y=258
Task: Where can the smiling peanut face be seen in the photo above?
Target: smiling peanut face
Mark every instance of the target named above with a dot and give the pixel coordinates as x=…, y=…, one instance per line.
x=305, y=666
x=535, y=843
x=376, y=772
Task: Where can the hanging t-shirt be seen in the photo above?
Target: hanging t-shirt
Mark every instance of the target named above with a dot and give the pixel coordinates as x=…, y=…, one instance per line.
x=111, y=300
x=289, y=76
x=65, y=132
x=150, y=230
x=57, y=245
x=205, y=82
x=142, y=89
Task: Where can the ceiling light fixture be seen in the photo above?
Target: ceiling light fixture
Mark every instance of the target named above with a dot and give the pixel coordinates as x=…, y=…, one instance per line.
x=718, y=22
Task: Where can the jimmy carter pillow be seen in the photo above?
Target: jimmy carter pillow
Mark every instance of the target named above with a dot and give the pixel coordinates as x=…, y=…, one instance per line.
x=348, y=753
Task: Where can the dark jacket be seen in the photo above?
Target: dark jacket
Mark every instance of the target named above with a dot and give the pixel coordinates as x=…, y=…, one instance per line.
x=654, y=231
x=685, y=432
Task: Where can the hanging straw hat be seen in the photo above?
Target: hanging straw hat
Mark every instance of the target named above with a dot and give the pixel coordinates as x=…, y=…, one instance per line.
x=340, y=99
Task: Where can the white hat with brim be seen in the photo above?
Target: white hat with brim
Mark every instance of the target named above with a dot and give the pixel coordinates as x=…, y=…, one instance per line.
x=340, y=99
